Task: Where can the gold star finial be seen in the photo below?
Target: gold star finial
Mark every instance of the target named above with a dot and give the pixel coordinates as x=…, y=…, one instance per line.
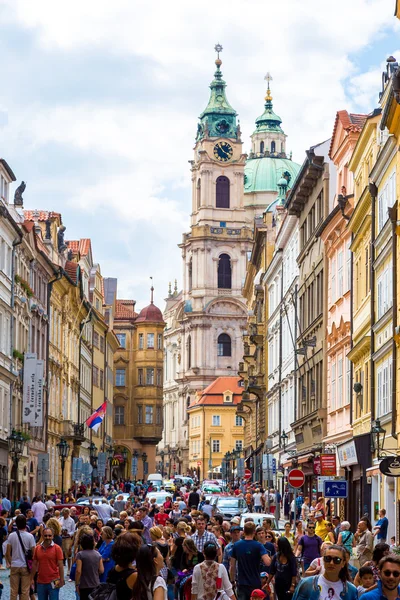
x=268, y=78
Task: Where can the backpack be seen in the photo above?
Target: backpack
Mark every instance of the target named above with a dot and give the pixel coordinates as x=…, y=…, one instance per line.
x=108, y=591
x=104, y=591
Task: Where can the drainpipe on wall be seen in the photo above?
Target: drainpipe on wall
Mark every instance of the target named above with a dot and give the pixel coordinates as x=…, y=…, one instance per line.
x=373, y=190
x=15, y=243
x=351, y=332
x=393, y=219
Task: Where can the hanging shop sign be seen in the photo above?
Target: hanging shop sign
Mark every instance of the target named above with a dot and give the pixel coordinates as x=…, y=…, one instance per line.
x=328, y=464
x=390, y=466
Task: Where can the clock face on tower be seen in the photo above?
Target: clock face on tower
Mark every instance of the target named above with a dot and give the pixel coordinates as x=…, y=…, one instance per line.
x=223, y=151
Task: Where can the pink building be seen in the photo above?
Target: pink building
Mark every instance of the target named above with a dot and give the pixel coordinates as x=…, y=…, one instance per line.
x=337, y=240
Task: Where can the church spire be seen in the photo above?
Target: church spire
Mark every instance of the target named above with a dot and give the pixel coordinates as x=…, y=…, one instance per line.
x=268, y=121
x=218, y=119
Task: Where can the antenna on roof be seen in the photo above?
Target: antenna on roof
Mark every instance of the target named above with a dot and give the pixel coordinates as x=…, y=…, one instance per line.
x=152, y=291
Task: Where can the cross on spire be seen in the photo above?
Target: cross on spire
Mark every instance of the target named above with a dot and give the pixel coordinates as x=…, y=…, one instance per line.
x=268, y=78
x=218, y=48
x=152, y=291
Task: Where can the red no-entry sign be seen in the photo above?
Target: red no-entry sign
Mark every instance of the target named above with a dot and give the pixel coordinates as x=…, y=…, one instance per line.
x=247, y=474
x=296, y=478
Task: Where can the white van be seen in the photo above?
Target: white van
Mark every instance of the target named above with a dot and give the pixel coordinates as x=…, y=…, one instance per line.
x=155, y=479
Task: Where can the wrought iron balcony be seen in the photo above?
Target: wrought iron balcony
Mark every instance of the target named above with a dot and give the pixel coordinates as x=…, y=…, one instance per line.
x=74, y=431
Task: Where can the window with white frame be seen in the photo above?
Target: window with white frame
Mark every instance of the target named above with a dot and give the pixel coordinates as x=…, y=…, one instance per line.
x=159, y=341
x=386, y=199
x=150, y=340
x=348, y=265
x=384, y=385
x=348, y=381
x=238, y=421
x=340, y=274
x=333, y=386
x=239, y=445
x=216, y=420
x=119, y=377
x=141, y=337
x=339, y=396
x=216, y=446
x=122, y=339
x=333, y=280
x=384, y=289
x=149, y=415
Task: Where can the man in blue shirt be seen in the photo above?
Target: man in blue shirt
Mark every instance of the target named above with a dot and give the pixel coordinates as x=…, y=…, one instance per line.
x=6, y=504
x=388, y=586
x=247, y=554
x=381, y=527
x=236, y=532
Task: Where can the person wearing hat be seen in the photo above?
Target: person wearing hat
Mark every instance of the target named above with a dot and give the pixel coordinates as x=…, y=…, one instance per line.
x=321, y=526
x=258, y=594
x=236, y=534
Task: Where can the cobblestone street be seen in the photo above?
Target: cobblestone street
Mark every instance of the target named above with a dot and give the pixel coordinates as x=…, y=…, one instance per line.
x=66, y=593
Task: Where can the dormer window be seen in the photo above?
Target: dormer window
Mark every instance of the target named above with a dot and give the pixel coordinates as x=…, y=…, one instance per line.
x=228, y=396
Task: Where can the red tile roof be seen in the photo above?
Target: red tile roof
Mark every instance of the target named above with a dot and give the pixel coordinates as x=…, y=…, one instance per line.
x=214, y=393
x=350, y=121
x=71, y=269
x=82, y=246
x=150, y=313
x=125, y=309
x=43, y=215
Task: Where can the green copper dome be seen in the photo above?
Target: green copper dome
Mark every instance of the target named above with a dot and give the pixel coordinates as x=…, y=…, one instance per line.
x=264, y=174
x=218, y=119
x=268, y=121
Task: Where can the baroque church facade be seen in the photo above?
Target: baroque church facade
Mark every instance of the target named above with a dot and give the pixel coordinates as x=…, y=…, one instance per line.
x=205, y=322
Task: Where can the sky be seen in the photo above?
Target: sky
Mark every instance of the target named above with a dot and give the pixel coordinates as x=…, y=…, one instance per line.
x=99, y=104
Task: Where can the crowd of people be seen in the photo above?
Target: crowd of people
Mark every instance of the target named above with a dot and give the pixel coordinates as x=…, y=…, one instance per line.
x=124, y=547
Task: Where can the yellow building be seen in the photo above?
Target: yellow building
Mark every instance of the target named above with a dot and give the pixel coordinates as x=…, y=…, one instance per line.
x=361, y=164
x=138, y=388
x=214, y=426
x=104, y=346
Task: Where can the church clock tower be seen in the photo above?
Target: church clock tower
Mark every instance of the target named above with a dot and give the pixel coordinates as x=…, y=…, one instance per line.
x=214, y=251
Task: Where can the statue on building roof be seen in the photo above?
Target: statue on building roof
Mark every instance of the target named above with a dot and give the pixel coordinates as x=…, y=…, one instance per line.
x=60, y=239
x=18, y=199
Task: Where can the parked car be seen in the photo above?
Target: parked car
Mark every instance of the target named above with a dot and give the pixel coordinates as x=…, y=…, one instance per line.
x=258, y=520
x=169, y=485
x=229, y=506
x=159, y=496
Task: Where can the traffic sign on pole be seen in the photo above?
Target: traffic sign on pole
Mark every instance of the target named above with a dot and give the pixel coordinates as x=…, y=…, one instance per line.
x=335, y=489
x=247, y=474
x=296, y=478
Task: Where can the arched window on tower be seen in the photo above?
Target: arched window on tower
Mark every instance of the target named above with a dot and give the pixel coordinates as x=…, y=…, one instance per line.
x=261, y=147
x=190, y=275
x=189, y=352
x=198, y=193
x=282, y=147
x=224, y=272
x=224, y=345
x=273, y=145
x=222, y=192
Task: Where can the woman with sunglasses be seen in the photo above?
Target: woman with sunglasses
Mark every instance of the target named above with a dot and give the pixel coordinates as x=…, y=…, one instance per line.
x=334, y=584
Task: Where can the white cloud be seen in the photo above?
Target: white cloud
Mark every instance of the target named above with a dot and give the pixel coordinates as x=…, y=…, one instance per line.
x=307, y=46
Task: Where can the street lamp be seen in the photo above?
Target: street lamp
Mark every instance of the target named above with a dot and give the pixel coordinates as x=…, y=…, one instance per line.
x=144, y=459
x=110, y=453
x=63, y=452
x=162, y=454
x=16, y=449
x=93, y=459
x=378, y=435
x=284, y=440
x=125, y=457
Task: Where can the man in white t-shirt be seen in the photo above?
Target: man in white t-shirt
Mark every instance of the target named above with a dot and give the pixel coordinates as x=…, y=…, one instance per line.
x=39, y=508
x=15, y=555
x=257, y=502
